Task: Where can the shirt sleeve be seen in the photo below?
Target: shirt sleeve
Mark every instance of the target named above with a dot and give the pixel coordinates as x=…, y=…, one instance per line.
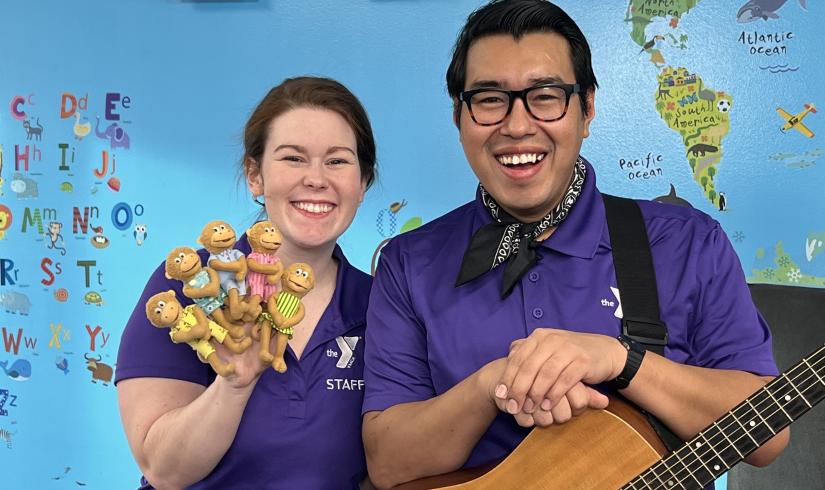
x=147, y=351
x=729, y=332
x=396, y=368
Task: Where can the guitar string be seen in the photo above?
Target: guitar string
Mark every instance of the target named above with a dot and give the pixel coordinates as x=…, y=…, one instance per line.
x=712, y=442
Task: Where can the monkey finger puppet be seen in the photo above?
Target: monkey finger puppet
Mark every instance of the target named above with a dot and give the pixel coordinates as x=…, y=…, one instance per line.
x=265, y=268
x=283, y=312
x=219, y=239
x=201, y=285
x=191, y=325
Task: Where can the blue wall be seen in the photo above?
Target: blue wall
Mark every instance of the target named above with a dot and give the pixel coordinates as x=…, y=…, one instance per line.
x=181, y=78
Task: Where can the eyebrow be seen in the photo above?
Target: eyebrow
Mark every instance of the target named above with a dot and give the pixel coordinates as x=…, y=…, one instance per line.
x=532, y=81
x=301, y=149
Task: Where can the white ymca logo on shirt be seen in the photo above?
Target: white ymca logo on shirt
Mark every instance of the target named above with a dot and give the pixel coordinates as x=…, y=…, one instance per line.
x=347, y=355
x=346, y=358
x=617, y=303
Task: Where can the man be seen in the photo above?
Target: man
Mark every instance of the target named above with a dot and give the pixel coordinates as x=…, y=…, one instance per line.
x=464, y=354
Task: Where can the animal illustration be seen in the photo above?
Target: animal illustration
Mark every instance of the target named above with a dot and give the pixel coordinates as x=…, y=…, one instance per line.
x=66, y=187
x=723, y=201
x=397, y=206
x=672, y=198
x=140, y=234
x=31, y=131
x=664, y=93
x=23, y=186
x=283, y=312
x=189, y=324
x=115, y=134
x=5, y=220
x=20, y=370
x=15, y=302
x=762, y=9
x=81, y=130
x=62, y=364
x=814, y=245
x=98, y=240
x=700, y=149
x=54, y=237
x=100, y=371
x=652, y=42
x=707, y=95
x=265, y=268
x=687, y=99
x=219, y=239
x=200, y=284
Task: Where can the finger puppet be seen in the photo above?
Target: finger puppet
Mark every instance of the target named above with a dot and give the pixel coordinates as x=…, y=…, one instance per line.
x=265, y=268
x=219, y=239
x=283, y=312
x=190, y=324
x=201, y=285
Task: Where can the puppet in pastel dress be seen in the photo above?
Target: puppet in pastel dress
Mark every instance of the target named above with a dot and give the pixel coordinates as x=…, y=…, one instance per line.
x=265, y=268
x=283, y=312
x=201, y=285
x=191, y=325
x=219, y=239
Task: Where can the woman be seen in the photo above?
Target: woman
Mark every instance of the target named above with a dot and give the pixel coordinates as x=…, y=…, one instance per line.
x=310, y=156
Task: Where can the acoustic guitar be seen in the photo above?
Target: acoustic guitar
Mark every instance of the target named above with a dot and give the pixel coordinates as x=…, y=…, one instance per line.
x=617, y=448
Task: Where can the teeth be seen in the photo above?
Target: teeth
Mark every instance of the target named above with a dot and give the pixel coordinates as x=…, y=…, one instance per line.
x=312, y=207
x=521, y=158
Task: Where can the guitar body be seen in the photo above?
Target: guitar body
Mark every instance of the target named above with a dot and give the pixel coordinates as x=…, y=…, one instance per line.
x=599, y=449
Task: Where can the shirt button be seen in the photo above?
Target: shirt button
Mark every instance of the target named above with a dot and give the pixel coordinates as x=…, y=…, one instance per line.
x=538, y=313
x=533, y=276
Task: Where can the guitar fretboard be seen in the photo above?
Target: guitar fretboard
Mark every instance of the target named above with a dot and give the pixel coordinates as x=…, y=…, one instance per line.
x=741, y=431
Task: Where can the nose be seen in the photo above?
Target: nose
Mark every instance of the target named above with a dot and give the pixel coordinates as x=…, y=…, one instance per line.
x=519, y=122
x=315, y=176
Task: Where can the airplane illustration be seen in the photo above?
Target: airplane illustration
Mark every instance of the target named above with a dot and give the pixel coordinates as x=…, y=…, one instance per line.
x=796, y=121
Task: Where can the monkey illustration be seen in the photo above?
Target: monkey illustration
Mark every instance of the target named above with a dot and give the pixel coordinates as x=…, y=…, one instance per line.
x=201, y=284
x=191, y=325
x=55, y=236
x=218, y=238
x=283, y=312
x=265, y=268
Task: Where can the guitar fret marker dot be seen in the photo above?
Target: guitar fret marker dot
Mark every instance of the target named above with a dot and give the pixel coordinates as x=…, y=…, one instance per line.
x=670, y=483
x=716, y=467
x=787, y=398
x=698, y=444
x=752, y=423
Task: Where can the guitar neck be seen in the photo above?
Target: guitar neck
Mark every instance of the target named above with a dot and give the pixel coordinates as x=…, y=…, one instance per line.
x=741, y=431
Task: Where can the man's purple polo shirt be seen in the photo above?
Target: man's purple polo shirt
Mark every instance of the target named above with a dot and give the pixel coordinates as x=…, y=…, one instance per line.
x=425, y=335
x=300, y=429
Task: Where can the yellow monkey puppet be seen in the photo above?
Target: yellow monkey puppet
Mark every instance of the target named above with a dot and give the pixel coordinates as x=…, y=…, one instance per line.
x=191, y=325
x=283, y=312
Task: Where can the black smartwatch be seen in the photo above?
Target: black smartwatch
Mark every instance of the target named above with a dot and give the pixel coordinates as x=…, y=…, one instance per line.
x=635, y=354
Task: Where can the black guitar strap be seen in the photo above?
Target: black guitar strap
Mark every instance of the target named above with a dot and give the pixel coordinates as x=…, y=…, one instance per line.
x=636, y=281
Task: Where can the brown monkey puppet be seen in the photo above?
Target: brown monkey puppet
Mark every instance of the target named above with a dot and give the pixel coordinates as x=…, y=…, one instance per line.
x=283, y=312
x=219, y=238
x=201, y=285
x=191, y=325
x=265, y=268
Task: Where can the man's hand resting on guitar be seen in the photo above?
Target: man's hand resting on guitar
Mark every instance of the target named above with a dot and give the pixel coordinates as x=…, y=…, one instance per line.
x=545, y=377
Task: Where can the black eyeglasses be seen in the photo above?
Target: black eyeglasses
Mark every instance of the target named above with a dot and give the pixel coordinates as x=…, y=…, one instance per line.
x=546, y=102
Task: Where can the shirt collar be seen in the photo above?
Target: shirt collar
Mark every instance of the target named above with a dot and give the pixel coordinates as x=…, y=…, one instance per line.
x=581, y=233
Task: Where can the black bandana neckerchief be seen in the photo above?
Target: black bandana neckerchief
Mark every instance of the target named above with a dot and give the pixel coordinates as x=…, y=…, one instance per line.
x=508, y=240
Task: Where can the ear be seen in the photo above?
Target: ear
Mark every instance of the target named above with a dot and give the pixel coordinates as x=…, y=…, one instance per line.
x=254, y=179
x=591, y=111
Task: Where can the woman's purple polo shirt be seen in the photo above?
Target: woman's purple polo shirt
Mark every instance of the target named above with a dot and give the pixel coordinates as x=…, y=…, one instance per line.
x=300, y=429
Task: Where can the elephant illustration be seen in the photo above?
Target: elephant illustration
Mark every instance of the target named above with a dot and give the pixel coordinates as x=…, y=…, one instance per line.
x=115, y=134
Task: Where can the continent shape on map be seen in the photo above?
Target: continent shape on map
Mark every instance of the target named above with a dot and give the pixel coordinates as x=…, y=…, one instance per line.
x=640, y=13
x=701, y=117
